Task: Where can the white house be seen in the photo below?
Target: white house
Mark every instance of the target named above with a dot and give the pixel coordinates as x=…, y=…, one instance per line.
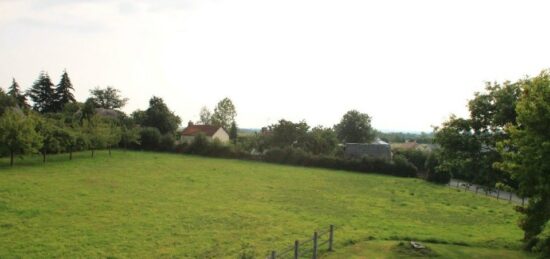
x=209, y=131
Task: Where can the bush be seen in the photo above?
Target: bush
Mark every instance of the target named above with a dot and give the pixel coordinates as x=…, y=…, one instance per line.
x=416, y=157
x=167, y=142
x=543, y=241
x=402, y=167
x=434, y=173
x=150, y=138
x=297, y=156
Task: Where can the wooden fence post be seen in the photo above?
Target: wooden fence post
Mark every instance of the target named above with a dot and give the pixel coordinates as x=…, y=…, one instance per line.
x=330, y=238
x=510, y=200
x=315, y=245
x=273, y=254
x=296, y=248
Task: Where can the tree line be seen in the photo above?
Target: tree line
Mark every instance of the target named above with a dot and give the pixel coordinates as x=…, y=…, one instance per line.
x=505, y=143
x=56, y=122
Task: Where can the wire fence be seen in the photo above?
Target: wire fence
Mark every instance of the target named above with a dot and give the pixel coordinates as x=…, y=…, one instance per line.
x=308, y=248
x=488, y=191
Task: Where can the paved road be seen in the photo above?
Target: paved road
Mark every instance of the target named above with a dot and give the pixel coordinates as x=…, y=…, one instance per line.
x=483, y=190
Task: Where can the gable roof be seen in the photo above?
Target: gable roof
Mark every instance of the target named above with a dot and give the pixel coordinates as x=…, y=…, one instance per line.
x=193, y=130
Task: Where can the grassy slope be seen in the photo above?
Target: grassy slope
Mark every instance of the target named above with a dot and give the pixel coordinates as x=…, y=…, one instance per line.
x=151, y=204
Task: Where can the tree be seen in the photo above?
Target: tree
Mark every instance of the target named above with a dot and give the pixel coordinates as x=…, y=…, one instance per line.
x=287, y=133
x=17, y=134
x=108, y=98
x=527, y=157
x=321, y=140
x=159, y=116
x=150, y=138
x=63, y=92
x=355, y=127
x=469, y=145
x=6, y=102
x=16, y=94
x=42, y=94
x=97, y=133
x=205, y=116
x=113, y=136
x=52, y=136
x=88, y=111
x=233, y=132
x=224, y=114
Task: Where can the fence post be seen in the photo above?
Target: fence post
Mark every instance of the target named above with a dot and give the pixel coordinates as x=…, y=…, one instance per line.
x=331, y=238
x=296, y=247
x=510, y=200
x=315, y=245
x=273, y=254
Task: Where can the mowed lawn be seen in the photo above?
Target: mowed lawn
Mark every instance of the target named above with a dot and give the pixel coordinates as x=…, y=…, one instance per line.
x=141, y=204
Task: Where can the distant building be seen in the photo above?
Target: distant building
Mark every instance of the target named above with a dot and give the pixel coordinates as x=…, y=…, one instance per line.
x=209, y=131
x=377, y=149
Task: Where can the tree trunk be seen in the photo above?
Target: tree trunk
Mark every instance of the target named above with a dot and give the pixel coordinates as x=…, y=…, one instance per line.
x=44, y=156
x=70, y=153
x=11, y=157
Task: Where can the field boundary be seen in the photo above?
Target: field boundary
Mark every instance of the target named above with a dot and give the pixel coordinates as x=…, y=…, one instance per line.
x=303, y=248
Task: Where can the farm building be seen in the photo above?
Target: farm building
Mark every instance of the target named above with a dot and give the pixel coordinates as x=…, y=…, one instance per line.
x=377, y=149
x=209, y=131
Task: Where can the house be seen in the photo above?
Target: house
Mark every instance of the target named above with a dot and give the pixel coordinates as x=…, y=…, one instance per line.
x=377, y=149
x=209, y=131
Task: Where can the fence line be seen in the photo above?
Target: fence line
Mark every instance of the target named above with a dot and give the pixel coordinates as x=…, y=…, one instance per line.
x=299, y=249
x=488, y=191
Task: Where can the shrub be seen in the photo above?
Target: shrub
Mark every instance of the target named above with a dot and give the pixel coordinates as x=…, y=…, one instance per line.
x=543, y=241
x=167, y=142
x=402, y=167
x=150, y=138
x=434, y=173
x=416, y=157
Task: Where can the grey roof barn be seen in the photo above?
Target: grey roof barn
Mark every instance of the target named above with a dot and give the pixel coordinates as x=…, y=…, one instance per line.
x=377, y=149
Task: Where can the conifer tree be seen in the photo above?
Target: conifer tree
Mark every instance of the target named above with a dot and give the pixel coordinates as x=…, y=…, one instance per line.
x=42, y=94
x=63, y=92
x=16, y=94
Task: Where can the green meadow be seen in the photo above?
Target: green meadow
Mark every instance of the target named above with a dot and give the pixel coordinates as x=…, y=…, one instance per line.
x=142, y=204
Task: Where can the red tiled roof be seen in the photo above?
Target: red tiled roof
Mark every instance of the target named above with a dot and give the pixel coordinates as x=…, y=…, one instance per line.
x=194, y=130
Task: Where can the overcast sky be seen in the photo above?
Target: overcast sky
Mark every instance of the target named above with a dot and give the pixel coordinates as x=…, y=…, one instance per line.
x=408, y=64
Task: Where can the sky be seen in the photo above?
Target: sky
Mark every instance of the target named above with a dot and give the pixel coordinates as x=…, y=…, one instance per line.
x=408, y=64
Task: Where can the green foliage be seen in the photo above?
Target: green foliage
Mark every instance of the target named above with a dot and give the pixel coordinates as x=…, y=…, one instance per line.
x=205, y=116
x=108, y=98
x=42, y=94
x=159, y=116
x=15, y=93
x=287, y=133
x=6, y=102
x=17, y=134
x=167, y=142
x=233, y=132
x=321, y=140
x=150, y=138
x=527, y=154
x=433, y=172
x=355, y=127
x=224, y=113
x=63, y=92
x=52, y=136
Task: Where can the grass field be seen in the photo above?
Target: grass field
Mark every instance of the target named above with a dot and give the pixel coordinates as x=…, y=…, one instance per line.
x=137, y=204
